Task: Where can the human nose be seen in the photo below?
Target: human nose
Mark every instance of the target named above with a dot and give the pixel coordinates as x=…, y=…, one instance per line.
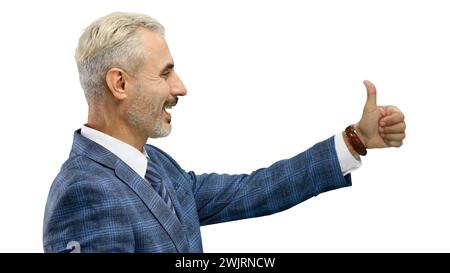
x=177, y=87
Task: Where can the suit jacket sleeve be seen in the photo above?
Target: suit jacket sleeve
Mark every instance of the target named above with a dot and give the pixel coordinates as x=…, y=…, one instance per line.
x=92, y=215
x=222, y=198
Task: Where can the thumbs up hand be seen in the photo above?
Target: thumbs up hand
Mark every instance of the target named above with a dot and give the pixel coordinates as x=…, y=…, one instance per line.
x=380, y=126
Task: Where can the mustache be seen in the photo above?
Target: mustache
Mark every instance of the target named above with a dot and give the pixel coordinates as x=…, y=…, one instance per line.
x=172, y=102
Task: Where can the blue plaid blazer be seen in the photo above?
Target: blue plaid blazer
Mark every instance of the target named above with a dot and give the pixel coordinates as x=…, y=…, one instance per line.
x=100, y=202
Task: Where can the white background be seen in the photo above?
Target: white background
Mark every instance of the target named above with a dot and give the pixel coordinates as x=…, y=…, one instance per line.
x=266, y=80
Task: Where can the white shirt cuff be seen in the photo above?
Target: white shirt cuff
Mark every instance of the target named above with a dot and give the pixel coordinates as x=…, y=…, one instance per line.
x=347, y=161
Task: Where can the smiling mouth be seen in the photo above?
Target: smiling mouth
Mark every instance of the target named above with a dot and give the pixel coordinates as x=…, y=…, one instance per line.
x=167, y=107
x=169, y=116
x=170, y=104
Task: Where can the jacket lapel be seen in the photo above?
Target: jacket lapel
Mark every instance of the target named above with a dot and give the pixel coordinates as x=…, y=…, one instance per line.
x=155, y=204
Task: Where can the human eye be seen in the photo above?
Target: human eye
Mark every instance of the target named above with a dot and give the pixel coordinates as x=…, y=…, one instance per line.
x=165, y=75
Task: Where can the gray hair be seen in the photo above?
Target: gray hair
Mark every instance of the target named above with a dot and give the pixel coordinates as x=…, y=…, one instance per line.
x=111, y=41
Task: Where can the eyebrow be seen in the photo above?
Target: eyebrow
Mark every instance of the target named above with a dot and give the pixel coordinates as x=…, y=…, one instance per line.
x=167, y=67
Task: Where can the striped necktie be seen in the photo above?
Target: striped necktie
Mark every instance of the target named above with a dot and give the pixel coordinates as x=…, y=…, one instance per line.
x=155, y=180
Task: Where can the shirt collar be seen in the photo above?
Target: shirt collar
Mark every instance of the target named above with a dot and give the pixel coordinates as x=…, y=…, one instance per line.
x=135, y=159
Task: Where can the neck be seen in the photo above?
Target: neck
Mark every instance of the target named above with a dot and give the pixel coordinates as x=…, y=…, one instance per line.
x=116, y=127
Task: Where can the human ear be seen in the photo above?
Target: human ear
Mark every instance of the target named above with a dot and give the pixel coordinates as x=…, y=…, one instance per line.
x=117, y=81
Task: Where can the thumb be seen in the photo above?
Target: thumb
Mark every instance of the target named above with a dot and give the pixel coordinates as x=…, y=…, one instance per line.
x=371, y=102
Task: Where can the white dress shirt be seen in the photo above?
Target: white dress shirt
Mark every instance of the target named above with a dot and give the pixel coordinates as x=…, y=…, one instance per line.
x=347, y=161
x=134, y=158
x=137, y=160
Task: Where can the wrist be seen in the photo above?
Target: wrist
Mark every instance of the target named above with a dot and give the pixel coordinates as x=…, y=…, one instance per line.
x=349, y=146
x=360, y=135
x=354, y=141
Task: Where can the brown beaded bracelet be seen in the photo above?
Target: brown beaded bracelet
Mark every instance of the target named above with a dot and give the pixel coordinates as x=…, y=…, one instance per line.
x=355, y=141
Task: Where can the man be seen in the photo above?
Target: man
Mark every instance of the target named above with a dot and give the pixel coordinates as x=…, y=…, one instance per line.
x=115, y=193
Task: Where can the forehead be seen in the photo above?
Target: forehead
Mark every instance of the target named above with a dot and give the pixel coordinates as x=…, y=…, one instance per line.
x=155, y=44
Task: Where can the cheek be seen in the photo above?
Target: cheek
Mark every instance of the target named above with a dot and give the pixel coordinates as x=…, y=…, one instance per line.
x=153, y=104
x=161, y=87
x=153, y=95
x=160, y=97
